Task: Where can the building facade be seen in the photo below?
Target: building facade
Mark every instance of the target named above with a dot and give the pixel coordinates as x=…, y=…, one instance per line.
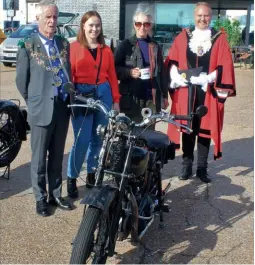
x=24, y=13
x=170, y=16
x=109, y=11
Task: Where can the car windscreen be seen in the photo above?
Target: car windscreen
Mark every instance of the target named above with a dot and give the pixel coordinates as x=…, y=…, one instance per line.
x=24, y=31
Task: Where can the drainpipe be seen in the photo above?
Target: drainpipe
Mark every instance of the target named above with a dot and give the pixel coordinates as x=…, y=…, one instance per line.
x=247, y=30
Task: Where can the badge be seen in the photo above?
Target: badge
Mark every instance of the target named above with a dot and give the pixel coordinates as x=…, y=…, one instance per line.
x=57, y=81
x=52, y=50
x=48, y=68
x=200, y=51
x=184, y=75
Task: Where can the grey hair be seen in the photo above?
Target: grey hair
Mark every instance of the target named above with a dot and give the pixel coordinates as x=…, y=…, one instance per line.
x=199, y=4
x=145, y=9
x=43, y=4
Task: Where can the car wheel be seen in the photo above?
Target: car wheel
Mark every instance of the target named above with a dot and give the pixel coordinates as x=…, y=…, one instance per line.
x=7, y=64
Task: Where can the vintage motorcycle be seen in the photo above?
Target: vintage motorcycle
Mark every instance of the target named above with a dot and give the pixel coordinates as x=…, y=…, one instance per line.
x=128, y=190
x=13, y=130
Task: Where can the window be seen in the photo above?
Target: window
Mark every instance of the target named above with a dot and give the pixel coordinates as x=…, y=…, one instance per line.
x=24, y=31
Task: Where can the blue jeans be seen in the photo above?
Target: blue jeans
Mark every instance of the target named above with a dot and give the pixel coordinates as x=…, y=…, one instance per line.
x=85, y=136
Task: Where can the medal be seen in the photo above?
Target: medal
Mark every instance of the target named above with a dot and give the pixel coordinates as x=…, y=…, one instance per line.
x=57, y=81
x=52, y=50
x=200, y=51
x=55, y=70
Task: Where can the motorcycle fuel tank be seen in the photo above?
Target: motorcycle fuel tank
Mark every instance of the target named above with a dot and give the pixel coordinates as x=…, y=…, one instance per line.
x=139, y=160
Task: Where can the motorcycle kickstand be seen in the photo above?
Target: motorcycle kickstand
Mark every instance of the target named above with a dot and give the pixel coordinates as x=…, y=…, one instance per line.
x=8, y=169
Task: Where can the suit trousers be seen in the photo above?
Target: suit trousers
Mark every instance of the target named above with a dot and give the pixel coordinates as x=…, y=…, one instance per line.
x=49, y=139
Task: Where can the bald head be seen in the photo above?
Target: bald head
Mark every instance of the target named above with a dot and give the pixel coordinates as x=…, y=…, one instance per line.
x=202, y=15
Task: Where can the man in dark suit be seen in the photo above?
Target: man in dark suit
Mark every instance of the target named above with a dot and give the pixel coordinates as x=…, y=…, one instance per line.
x=43, y=68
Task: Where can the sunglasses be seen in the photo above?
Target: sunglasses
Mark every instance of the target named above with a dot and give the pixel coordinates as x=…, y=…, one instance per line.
x=145, y=24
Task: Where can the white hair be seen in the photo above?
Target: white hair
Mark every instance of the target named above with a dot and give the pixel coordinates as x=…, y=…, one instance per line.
x=145, y=9
x=42, y=5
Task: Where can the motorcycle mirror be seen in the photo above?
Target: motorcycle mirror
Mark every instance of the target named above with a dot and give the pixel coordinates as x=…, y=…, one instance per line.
x=68, y=87
x=201, y=111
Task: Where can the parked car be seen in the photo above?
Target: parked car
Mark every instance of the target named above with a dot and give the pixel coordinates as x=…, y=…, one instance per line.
x=8, y=31
x=9, y=47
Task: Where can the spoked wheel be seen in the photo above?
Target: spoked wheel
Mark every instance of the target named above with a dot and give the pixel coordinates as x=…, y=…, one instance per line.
x=92, y=239
x=9, y=141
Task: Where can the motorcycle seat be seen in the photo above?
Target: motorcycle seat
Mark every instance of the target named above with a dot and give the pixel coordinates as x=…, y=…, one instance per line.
x=154, y=139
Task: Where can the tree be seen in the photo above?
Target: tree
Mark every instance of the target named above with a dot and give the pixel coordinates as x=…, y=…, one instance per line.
x=232, y=29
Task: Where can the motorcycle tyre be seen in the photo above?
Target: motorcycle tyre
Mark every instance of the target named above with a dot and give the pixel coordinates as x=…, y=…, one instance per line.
x=82, y=243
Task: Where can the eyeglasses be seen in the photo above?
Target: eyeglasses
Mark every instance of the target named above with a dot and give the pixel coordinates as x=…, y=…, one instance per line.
x=145, y=24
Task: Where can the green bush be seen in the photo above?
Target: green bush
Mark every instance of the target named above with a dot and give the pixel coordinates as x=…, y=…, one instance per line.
x=232, y=29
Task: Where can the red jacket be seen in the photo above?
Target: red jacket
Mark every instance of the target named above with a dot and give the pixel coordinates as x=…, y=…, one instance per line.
x=84, y=67
x=221, y=61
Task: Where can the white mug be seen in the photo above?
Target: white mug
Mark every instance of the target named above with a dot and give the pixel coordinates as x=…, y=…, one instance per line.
x=145, y=73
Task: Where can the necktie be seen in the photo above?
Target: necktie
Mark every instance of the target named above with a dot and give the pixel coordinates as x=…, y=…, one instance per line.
x=59, y=77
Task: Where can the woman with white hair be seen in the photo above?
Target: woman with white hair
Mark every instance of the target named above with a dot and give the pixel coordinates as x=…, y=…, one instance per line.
x=140, y=69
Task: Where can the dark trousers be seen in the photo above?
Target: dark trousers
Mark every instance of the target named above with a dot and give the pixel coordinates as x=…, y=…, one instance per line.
x=189, y=140
x=49, y=139
x=188, y=145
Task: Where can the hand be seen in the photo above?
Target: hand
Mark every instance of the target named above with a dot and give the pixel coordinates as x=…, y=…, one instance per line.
x=165, y=103
x=116, y=107
x=177, y=79
x=135, y=72
x=201, y=80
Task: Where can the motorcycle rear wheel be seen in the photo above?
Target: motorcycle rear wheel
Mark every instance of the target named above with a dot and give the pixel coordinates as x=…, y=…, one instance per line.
x=86, y=247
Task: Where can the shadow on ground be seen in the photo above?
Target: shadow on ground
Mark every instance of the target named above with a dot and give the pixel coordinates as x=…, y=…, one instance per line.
x=198, y=211
x=20, y=181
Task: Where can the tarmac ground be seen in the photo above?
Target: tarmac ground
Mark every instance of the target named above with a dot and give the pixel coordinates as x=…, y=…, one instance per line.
x=207, y=224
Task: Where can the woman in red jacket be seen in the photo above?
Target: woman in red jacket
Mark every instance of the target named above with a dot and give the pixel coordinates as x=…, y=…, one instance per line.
x=93, y=72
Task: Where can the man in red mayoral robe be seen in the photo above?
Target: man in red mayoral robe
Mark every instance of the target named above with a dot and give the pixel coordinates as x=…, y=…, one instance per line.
x=191, y=49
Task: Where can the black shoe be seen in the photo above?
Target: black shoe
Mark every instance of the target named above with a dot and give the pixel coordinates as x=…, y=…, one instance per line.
x=72, y=190
x=186, y=172
x=42, y=208
x=202, y=174
x=61, y=203
x=90, y=180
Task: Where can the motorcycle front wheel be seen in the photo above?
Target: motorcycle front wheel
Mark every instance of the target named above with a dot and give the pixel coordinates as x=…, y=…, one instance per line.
x=90, y=244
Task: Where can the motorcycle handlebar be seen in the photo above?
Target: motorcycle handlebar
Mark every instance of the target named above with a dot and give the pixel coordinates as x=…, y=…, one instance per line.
x=90, y=103
x=146, y=113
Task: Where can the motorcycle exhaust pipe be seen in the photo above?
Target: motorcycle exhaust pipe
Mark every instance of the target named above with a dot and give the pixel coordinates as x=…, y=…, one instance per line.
x=146, y=228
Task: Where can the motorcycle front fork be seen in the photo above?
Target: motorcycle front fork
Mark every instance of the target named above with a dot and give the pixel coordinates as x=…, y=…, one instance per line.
x=161, y=206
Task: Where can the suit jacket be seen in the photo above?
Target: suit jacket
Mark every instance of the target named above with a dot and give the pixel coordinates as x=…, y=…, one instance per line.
x=34, y=78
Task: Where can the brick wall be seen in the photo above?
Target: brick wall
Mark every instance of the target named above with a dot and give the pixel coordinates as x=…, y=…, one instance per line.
x=108, y=9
